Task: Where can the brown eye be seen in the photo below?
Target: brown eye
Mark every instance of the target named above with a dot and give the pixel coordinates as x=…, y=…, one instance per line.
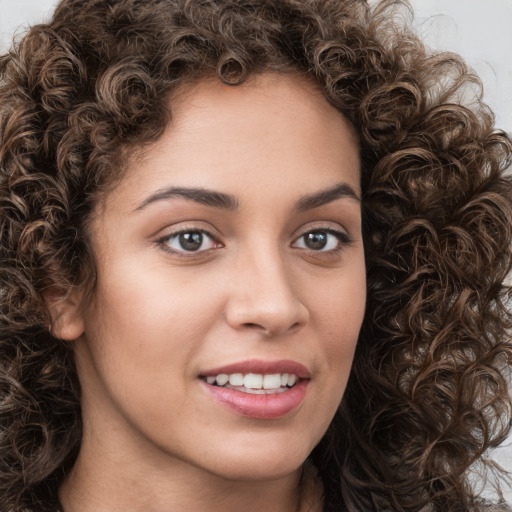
x=189, y=241
x=322, y=240
x=316, y=240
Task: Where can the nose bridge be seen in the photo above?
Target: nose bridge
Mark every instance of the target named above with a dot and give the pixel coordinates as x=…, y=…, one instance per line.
x=264, y=296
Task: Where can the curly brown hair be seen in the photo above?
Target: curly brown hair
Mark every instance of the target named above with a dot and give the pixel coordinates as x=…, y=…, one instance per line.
x=427, y=396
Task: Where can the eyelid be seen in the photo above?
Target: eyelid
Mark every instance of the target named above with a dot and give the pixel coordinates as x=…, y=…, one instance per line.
x=172, y=234
x=344, y=238
x=330, y=226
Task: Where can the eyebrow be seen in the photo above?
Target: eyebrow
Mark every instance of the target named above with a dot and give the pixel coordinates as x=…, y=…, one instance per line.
x=199, y=195
x=339, y=191
x=230, y=202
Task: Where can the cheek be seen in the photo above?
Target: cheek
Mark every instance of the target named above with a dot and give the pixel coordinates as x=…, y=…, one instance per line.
x=157, y=302
x=336, y=319
x=339, y=316
x=138, y=328
x=140, y=346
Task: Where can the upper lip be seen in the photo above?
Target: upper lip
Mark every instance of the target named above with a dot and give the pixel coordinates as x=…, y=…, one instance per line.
x=261, y=367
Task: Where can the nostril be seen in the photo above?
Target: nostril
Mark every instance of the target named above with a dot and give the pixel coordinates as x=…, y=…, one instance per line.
x=295, y=326
x=251, y=325
x=269, y=331
x=264, y=331
x=267, y=315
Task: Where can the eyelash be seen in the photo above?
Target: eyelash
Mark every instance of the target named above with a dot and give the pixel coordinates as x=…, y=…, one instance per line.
x=164, y=241
x=343, y=238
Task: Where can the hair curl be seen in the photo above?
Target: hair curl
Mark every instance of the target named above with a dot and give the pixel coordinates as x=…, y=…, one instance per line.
x=428, y=392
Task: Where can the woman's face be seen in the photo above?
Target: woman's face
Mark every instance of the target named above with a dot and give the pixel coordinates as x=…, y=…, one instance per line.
x=231, y=251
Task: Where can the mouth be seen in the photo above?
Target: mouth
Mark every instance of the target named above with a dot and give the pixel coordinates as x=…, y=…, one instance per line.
x=254, y=383
x=259, y=389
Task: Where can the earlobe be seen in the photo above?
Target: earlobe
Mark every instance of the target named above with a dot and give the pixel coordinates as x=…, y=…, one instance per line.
x=66, y=320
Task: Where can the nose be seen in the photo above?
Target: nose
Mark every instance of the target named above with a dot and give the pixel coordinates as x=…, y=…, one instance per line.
x=263, y=298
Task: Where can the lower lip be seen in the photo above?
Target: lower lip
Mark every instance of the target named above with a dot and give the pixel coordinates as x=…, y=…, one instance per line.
x=267, y=407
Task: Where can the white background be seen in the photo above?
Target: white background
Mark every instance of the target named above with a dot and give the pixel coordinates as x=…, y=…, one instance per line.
x=480, y=30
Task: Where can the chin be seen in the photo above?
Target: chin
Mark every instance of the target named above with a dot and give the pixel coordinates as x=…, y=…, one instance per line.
x=259, y=462
x=261, y=470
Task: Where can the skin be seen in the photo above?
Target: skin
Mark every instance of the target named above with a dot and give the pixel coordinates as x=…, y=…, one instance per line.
x=154, y=440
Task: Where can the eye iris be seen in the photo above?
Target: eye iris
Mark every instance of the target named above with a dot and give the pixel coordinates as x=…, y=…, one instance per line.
x=191, y=241
x=316, y=240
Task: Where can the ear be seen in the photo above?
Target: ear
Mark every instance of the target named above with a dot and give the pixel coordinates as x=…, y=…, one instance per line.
x=66, y=319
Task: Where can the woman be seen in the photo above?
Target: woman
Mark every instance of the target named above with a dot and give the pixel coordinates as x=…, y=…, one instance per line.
x=205, y=207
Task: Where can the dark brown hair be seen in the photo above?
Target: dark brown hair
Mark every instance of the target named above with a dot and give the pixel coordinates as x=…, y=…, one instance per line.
x=427, y=396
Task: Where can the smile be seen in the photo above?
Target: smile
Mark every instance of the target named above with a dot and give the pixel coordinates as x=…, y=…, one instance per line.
x=254, y=383
x=258, y=389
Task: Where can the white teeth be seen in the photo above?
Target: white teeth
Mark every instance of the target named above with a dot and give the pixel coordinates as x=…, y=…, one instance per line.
x=236, y=379
x=222, y=379
x=254, y=382
x=272, y=381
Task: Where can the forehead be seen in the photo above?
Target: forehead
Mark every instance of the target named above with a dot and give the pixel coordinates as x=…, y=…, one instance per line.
x=286, y=106
x=274, y=130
